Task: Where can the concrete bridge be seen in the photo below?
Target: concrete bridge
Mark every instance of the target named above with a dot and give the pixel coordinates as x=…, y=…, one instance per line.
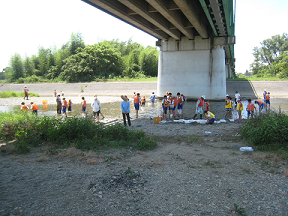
x=195, y=37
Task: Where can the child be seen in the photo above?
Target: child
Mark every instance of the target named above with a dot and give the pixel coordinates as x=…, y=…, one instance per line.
x=69, y=105
x=180, y=101
x=239, y=109
x=34, y=108
x=143, y=100
x=210, y=117
x=83, y=105
x=260, y=104
x=228, y=107
x=267, y=99
x=165, y=105
x=24, y=107
x=207, y=105
x=137, y=101
x=55, y=93
x=250, y=109
x=100, y=107
x=64, y=106
x=152, y=98
x=174, y=102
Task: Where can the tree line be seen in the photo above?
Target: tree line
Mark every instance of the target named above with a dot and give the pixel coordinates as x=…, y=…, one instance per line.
x=77, y=62
x=271, y=59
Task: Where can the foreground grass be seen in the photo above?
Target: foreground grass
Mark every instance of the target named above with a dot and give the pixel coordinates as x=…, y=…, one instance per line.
x=29, y=131
x=268, y=133
x=9, y=94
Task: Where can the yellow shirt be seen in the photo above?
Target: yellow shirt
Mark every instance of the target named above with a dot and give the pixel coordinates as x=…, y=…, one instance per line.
x=209, y=115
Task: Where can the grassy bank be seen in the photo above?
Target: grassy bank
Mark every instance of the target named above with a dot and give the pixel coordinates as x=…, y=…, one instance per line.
x=28, y=130
x=10, y=94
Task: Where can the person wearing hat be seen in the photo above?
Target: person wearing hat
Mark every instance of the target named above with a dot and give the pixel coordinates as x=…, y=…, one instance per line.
x=125, y=107
x=26, y=92
x=199, y=106
x=96, y=108
x=237, y=97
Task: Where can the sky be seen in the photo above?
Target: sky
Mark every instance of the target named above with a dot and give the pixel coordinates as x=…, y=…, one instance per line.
x=28, y=24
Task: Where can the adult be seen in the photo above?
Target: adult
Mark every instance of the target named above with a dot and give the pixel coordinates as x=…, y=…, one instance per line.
x=125, y=107
x=96, y=108
x=199, y=106
x=59, y=104
x=26, y=90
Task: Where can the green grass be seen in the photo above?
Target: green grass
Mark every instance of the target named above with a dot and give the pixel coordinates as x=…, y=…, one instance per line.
x=268, y=132
x=127, y=79
x=9, y=94
x=242, y=77
x=30, y=131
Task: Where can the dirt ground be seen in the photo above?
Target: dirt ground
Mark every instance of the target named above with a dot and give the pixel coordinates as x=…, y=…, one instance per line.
x=196, y=169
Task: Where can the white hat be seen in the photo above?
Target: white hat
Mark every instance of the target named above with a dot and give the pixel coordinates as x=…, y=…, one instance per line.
x=227, y=95
x=203, y=96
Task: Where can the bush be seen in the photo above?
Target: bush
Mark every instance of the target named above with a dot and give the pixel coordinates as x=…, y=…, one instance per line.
x=269, y=131
x=29, y=130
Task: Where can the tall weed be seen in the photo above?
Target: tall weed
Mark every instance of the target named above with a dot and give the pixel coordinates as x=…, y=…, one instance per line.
x=268, y=132
x=30, y=130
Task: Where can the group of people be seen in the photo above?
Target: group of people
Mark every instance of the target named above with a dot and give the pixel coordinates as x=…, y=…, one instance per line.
x=63, y=104
x=170, y=103
x=250, y=106
x=33, y=107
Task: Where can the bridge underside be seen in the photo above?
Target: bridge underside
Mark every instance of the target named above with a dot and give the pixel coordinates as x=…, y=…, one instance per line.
x=196, y=40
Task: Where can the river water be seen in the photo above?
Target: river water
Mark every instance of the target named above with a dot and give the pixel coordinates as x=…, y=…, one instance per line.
x=113, y=110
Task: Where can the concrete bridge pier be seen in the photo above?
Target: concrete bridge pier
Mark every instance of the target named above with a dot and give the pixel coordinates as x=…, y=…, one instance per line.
x=192, y=67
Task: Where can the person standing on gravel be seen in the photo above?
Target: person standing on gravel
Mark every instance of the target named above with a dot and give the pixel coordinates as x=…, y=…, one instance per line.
x=199, y=106
x=26, y=90
x=96, y=108
x=59, y=104
x=83, y=105
x=125, y=107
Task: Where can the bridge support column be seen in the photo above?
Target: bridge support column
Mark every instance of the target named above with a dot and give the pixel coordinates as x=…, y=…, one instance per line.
x=192, y=67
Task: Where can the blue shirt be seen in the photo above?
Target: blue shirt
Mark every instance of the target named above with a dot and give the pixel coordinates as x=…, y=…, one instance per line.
x=152, y=97
x=125, y=106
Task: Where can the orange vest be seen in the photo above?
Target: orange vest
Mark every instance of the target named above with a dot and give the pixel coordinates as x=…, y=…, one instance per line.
x=65, y=103
x=267, y=97
x=260, y=102
x=179, y=99
x=84, y=103
x=69, y=103
x=136, y=99
x=143, y=100
x=175, y=101
x=24, y=107
x=250, y=107
x=169, y=99
x=34, y=107
x=201, y=102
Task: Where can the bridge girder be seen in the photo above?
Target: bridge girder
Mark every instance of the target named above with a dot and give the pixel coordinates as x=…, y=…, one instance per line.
x=164, y=19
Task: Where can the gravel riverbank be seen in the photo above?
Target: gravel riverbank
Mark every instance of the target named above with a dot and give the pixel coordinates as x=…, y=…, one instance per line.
x=195, y=170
